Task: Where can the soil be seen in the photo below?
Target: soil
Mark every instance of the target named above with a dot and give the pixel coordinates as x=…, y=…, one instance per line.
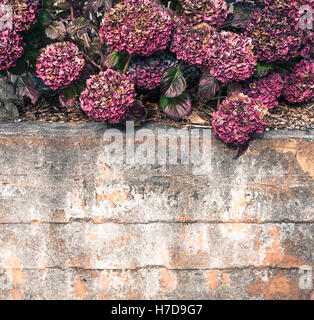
x=284, y=116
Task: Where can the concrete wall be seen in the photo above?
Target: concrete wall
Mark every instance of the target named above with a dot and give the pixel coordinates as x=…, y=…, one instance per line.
x=74, y=227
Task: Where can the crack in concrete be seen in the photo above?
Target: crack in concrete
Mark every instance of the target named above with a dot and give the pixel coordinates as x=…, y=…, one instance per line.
x=148, y=267
x=91, y=221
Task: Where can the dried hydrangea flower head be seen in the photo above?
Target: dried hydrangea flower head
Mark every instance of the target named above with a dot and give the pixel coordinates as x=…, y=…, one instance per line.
x=274, y=36
x=237, y=118
x=60, y=64
x=308, y=45
x=25, y=12
x=288, y=7
x=146, y=73
x=267, y=89
x=108, y=96
x=213, y=12
x=294, y=10
x=138, y=27
x=299, y=84
x=191, y=42
x=232, y=57
x=11, y=48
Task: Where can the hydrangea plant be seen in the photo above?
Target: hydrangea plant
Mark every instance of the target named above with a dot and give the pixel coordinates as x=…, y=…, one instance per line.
x=213, y=12
x=274, y=36
x=11, y=48
x=100, y=55
x=25, y=12
x=238, y=118
x=60, y=64
x=299, y=84
x=137, y=27
x=267, y=89
x=108, y=96
x=231, y=58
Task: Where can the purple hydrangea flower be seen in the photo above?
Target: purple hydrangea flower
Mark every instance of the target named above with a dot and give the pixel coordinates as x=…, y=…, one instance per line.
x=60, y=64
x=231, y=57
x=146, y=72
x=213, y=12
x=274, y=35
x=191, y=42
x=108, y=96
x=267, y=89
x=25, y=13
x=299, y=84
x=237, y=118
x=138, y=27
x=11, y=48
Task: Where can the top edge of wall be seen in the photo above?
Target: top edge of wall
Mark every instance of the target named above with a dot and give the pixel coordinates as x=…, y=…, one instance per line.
x=24, y=129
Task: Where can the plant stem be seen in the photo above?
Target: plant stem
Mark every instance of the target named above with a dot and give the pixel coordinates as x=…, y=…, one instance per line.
x=72, y=14
x=219, y=97
x=216, y=98
x=125, y=69
x=91, y=61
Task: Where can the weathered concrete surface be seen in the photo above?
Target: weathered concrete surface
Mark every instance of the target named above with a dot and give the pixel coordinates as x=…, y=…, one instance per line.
x=9, y=102
x=74, y=227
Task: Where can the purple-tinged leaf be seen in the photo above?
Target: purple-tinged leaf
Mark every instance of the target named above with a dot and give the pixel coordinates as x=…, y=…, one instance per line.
x=177, y=108
x=137, y=111
x=173, y=83
x=208, y=86
x=94, y=6
x=241, y=18
x=56, y=30
x=24, y=87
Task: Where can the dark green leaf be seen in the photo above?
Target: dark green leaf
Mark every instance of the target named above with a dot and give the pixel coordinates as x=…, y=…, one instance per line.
x=67, y=97
x=112, y=60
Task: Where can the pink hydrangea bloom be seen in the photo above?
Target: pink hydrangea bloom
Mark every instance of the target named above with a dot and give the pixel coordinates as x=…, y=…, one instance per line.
x=25, y=13
x=191, y=42
x=299, y=84
x=108, y=96
x=138, y=27
x=60, y=64
x=231, y=57
x=292, y=10
x=308, y=45
x=146, y=73
x=267, y=89
x=274, y=36
x=11, y=48
x=238, y=118
x=213, y=12
x=288, y=7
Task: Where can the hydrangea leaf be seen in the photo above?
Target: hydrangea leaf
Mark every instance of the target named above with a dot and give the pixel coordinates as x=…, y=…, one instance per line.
x=67, y=97
x=173, y=83
x=137, y=112
x=25, y=87
x=208, y=86
x=178, y=107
